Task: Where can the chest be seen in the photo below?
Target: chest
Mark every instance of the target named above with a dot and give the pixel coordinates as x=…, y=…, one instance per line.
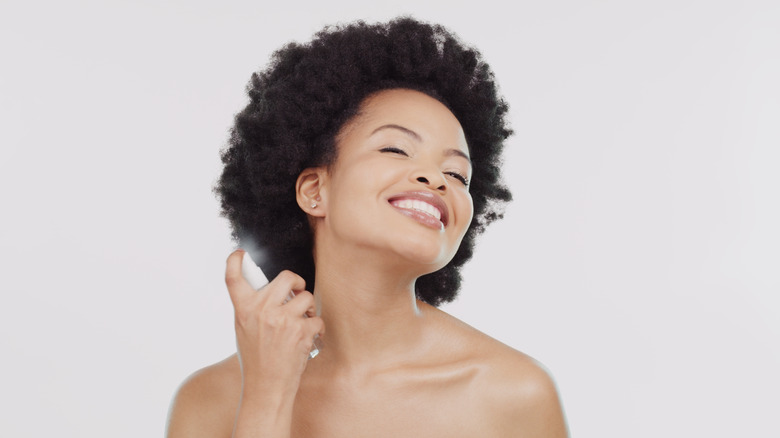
x=389, y=411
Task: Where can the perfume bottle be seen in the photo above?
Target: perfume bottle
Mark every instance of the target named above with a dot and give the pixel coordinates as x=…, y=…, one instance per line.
x=255, y=277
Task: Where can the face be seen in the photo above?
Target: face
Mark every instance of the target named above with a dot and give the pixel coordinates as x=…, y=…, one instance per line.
x=400, y=181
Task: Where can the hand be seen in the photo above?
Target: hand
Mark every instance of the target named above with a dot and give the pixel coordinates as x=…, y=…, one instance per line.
x=273, y=337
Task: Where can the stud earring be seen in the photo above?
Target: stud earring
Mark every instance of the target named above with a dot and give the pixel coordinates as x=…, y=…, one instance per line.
x=313, y=204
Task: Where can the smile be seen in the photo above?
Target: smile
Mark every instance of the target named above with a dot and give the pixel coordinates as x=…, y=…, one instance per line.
x=413, y=204
x=423, y=206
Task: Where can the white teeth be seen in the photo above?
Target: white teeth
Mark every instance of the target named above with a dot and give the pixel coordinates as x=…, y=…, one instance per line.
x=414, y=204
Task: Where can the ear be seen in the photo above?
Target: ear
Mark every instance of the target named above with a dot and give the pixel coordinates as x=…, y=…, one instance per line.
x=310, y=191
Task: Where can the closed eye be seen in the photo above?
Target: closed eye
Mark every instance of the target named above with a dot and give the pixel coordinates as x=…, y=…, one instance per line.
x=394, y=150
x=459, y=177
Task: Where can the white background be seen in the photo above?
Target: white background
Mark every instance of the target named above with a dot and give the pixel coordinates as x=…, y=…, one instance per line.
x=639, y=260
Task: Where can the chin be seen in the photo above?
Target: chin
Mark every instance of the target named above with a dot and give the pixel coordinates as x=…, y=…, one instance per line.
x=426, y=253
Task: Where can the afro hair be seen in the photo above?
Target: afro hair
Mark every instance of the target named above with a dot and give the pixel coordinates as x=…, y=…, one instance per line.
x=298, y=105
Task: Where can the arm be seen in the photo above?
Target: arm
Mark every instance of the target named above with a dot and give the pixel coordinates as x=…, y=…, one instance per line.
x=209, y=404
x=273, y=340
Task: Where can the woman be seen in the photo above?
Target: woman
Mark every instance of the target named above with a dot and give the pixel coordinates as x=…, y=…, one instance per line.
x=362, y=169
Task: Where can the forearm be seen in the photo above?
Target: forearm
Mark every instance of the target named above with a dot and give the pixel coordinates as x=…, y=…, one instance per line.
x=264, y=415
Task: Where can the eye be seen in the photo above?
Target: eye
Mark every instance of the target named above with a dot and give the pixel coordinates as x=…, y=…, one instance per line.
x=459, y=177
x=394, y=150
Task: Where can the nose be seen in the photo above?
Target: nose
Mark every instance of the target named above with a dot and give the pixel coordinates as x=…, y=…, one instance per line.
x=436, y=182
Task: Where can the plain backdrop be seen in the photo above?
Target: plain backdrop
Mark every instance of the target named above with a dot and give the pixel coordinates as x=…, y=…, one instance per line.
x=639, y=260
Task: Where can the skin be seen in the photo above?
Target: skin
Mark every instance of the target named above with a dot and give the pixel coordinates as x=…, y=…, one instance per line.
x=390, y=365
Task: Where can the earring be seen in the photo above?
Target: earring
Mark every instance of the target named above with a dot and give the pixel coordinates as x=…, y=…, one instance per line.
x=313, y=204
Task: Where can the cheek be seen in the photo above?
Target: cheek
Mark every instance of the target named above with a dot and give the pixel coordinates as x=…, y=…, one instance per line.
x=466, y=209
x=351, y=193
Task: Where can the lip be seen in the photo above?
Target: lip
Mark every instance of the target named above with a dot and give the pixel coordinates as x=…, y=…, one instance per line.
x=430, y=198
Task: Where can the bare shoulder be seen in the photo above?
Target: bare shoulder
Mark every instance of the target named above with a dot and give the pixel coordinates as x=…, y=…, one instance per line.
x=522, y=395
x=206, y=402
x=517, y=393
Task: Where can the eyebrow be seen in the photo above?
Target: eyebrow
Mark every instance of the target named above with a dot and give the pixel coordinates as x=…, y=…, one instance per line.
x=406, y=131
x=449, y=152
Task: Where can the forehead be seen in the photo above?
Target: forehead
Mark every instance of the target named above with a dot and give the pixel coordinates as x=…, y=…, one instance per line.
x=413, y=110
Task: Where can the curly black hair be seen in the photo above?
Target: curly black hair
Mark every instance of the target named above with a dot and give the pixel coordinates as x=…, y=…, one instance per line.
x=298, y=105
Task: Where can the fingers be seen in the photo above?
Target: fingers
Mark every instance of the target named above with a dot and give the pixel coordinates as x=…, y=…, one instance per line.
x=303, y=303
x=315, y=325
x=279, y=289
x=276, y=294
x=237, y=286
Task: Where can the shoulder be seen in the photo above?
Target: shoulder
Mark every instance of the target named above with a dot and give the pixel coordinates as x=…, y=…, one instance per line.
x=522, y=397
x=206, y=402
x=515, y=392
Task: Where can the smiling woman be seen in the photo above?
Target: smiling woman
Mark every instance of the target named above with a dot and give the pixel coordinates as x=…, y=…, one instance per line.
x=397, y=154
x=358, y=177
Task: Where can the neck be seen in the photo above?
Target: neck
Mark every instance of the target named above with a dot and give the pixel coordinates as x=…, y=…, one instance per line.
x=370, y=312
